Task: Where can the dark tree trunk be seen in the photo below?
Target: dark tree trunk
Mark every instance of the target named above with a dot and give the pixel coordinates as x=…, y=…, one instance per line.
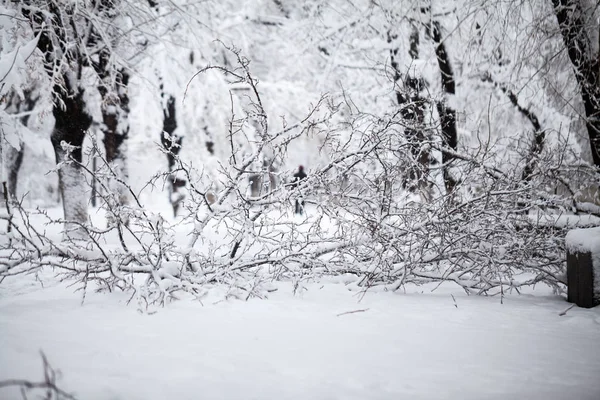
x=413, y=112
x=115, y=127
x=172, y=144
x=571, y=20
x=446, y=113
x=72, y=122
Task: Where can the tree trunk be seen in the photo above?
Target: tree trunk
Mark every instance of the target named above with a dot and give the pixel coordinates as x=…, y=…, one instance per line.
x=446, y=113
x=72, y=122
x=172, y=144
x=11, y=159
x=14, y=160
x=585, y=59
x=64, y=59
x=14, y=157
x=413, y=111
x=115, y=128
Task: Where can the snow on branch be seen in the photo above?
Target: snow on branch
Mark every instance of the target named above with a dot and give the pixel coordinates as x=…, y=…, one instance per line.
x=361, y=221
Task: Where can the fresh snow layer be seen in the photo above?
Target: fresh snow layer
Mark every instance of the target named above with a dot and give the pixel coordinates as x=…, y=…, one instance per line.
x=413, y=345
x=584, y=240
x=565, y=220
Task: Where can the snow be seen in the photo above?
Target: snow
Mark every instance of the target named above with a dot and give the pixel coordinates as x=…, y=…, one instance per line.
x=14, y=55
x=324, y=342
x=589, y=207
x=565, y=220
x=584, y=240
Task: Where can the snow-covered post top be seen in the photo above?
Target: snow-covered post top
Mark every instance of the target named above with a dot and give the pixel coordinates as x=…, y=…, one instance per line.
x=583, y=266
x=584, y=240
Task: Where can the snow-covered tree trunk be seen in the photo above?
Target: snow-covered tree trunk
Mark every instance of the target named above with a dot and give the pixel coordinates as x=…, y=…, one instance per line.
x=64, y=60
x=11, y=158
x=72, y=122
x=115, y=127
x=13, y=154
x=578, y=22
x=14, y=159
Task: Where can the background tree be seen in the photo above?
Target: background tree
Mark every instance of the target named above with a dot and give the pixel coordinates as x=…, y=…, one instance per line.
x=59, y=28
x=21, y=108
x=16, y=97
x=81, y=47
x=578, y=22
x=172, y=145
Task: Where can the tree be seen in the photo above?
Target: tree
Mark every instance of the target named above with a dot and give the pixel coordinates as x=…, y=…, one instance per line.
x=445, y=111
x=113, y=80
x=413, y=109
x=18, y=96
x=59, y=28
x=115, y=128
x=578, y=24
x=13, y=155
x=172, y=146
x=80, y=44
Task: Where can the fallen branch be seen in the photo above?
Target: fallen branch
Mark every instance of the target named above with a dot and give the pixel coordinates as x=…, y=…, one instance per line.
x=48, y=384
x=352, y=312
x=565, y=312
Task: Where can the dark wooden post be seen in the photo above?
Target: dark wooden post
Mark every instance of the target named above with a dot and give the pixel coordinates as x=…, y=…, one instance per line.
x=581, y=274
x=580, y=279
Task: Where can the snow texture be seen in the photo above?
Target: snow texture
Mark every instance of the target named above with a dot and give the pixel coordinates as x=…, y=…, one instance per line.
x=324, y=342
x=584, y=240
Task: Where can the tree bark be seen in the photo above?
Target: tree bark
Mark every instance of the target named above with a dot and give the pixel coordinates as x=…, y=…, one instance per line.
x=14, y=157
x=172, y=144
x=72, y=122
x=570, y=17
x=115, y=127
x=14, y=160
x=413, y=111
x=446, y=113
x=64, y=59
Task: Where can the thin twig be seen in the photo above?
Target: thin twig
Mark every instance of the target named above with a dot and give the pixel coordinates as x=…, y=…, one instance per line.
x=565, y=312
x=352, y=312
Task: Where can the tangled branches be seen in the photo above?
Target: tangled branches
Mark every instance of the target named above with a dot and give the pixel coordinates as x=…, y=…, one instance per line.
x=494, y=232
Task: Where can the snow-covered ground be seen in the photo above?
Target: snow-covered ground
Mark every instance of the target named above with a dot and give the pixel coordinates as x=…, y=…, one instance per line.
x=323, y=342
